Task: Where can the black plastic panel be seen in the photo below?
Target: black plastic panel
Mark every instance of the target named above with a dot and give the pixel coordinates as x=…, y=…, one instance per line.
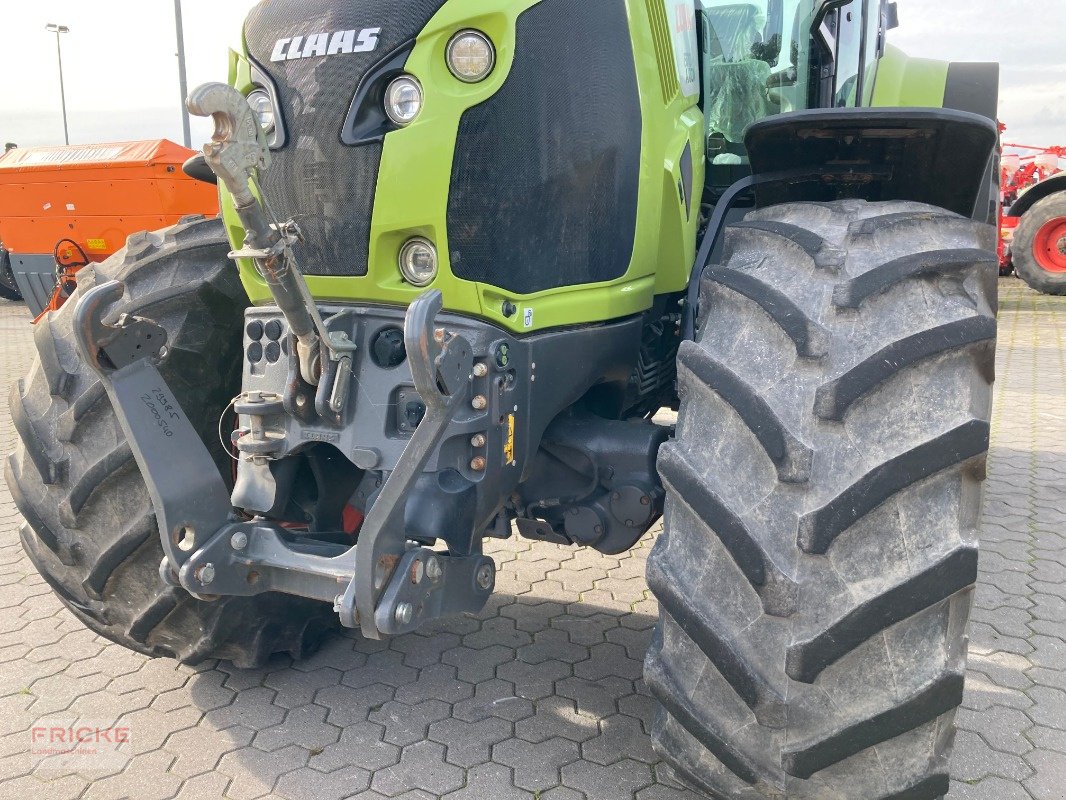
x=327, y=187
x=546, y=173
x=973, y=87
x=928, y=155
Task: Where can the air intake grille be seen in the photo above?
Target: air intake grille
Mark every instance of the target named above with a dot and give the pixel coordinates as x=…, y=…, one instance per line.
x=327, y=187
x=664, y=49
x=546, y=172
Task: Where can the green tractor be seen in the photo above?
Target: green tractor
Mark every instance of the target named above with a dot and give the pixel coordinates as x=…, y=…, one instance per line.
x=479, y=246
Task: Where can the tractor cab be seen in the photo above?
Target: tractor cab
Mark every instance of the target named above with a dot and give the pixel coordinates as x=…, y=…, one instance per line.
x=769, y=57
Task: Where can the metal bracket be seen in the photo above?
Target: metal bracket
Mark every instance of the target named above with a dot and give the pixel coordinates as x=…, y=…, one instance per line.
x=442, y=367
x=165, y=444
x=428, y=585
x=252, y=558
x=825, y=38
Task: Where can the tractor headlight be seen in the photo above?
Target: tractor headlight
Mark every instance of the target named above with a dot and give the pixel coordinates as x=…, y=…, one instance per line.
x=263, y=108
x=403, y=100
x=418, y=261
x=471, y=56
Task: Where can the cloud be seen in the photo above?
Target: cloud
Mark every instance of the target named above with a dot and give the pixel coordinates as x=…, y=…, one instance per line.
x=122, y=76
x=1024, y=37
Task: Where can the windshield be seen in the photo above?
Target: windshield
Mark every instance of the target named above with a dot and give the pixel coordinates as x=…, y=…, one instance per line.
x=753, y=54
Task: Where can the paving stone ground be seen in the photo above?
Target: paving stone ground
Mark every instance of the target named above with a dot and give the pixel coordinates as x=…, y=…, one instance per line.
x=540, y=697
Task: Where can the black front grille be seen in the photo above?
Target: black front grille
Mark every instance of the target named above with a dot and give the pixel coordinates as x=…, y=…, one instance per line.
x=327, y=187
x=546, y=172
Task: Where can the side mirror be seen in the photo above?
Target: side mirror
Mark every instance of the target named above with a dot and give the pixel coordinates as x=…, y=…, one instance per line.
x=891, y=16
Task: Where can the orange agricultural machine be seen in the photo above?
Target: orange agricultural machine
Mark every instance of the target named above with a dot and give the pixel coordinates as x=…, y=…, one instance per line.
x=62, y=208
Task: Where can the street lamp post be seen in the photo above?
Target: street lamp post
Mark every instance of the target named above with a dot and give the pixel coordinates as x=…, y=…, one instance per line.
x=183, y=82
x=57, y=30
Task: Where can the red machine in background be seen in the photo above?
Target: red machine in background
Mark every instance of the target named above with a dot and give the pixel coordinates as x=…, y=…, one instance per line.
x=1033, y=218
x=63, y=208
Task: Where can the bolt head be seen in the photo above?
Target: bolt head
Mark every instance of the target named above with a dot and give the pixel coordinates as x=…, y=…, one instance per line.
x=485, y=574
x=480, y=370
x=206, y=574
x=434, y=569
x=480, y=403
x=405, y=612
x=478, y=440
x=239, y=540
x=418, y=572
x=478, y=464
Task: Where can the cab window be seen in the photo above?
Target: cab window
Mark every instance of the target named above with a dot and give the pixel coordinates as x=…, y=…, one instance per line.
x=755, y=63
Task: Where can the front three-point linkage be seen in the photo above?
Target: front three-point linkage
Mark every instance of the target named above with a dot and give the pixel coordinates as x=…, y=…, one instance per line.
x=383, y=585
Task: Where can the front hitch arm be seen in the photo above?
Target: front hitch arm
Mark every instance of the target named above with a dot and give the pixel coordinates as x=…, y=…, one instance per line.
x=164, y=442
x=441, y=366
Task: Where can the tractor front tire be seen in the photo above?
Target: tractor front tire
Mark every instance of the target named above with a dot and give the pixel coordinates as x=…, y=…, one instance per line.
x=91, y=530
x=1039, y=248
x=9, y=289
x=817, y=567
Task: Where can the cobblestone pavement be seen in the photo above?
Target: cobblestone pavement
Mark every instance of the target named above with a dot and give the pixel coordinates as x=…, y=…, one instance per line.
x=539, y=698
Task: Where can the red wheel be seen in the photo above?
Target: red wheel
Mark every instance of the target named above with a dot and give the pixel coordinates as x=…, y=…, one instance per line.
x=1049, y=247
x=1039, y=247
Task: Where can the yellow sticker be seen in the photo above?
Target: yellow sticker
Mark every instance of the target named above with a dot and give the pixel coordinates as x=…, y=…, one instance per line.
x=508, y=447
x=97, y=244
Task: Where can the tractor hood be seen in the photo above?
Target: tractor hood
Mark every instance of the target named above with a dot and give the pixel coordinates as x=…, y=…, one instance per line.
x=312, y=56
x=561, y=187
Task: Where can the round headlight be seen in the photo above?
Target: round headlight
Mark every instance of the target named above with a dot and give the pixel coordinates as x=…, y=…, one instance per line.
x=471, y=56
x=403, y=100
x=418, y=261
x=263, y=108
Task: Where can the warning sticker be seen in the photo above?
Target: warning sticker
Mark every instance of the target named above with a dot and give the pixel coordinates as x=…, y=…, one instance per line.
x=508, y=445
x=96, y=244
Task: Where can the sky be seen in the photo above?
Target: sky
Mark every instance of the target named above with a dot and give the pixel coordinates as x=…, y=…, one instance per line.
x=121, y=69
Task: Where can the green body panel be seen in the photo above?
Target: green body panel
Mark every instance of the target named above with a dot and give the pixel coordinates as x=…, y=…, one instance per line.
x=908, y=82
x=415, y=177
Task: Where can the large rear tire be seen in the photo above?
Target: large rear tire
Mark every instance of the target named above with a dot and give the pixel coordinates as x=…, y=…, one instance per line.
x=1039, y=248
x=820, y=549
x=91, y=531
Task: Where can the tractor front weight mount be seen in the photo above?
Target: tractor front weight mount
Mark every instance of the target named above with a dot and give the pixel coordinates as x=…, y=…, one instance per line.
x=210, y=554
